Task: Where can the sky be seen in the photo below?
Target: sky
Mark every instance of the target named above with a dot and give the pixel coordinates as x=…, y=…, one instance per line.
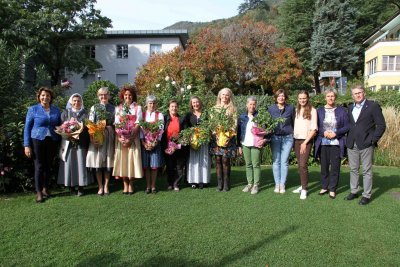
x=158, y=14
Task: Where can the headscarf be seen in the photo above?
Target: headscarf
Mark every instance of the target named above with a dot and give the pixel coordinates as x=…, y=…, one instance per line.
x=69, y=103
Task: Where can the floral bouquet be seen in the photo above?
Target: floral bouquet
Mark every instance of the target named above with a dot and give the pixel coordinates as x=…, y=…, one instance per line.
x=70, y=129
x=96, y=131
x=195, y=136
x=151, y=132
x=124, y=129
x=173, y=145
x=222, y=123
x=264, y=124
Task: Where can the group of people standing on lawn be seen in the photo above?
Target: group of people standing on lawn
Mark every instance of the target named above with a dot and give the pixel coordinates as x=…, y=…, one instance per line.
x=128, y=158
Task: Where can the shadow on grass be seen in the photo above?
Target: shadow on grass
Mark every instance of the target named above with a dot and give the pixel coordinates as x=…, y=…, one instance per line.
x=227, y=260
x=103, y=259
x=381, y=183
x=244, y=252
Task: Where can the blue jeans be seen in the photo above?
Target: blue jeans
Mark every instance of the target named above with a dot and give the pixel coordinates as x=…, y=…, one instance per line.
x=281, y=145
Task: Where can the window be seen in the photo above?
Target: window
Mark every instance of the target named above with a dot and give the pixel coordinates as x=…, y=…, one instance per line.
x=155, y=48
x=390, y=87
x=91, y=51
x=371, y=66
x=372, y=88
x=391, y=63
x=122, y=51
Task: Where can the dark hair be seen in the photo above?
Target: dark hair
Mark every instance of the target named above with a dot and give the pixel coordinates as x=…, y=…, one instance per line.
x=173, y=101
x=128, y=87
x=190, y=102
x=307, y=107
x=278, y=92
x=46, y=89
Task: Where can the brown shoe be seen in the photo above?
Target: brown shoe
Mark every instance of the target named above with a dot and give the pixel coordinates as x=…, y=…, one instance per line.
x=39, y=197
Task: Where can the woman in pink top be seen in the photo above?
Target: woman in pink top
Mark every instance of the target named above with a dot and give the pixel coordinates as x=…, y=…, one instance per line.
x=305, y=127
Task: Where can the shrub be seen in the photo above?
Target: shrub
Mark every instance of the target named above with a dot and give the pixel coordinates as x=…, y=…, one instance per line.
x=388, y=152
x=90, y=96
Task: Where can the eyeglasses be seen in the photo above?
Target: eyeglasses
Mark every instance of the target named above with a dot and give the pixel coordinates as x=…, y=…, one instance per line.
x=358, y=93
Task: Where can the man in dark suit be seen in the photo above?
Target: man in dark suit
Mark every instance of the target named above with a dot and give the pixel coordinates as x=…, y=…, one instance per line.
x=367, y=126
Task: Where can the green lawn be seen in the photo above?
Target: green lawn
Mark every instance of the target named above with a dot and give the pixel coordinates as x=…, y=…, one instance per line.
x=205, y=227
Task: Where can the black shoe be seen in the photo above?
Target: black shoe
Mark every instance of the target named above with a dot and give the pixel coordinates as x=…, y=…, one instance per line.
x=218, y=189
x=124, y=193
x=351, y=196
x=147, y=191
x=130, y=193
x=201, y=186
x=364, y=201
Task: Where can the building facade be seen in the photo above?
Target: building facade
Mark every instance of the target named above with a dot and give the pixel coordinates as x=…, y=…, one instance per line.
x=382, y=56
x=122, y=53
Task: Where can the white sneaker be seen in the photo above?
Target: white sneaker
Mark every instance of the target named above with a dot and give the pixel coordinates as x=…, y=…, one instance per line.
x=297, y=190
x=276, y=190
x=303, y=194
x=254, y=190
x=282, y=189
x=247, y=188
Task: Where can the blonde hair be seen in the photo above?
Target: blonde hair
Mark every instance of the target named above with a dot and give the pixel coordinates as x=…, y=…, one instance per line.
x=103, y=90
x=230, y=108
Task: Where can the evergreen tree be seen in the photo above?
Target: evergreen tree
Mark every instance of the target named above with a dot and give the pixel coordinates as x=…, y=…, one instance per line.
x=332, y=41
x=252, y=4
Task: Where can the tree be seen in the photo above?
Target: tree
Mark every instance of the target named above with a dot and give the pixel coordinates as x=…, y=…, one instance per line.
x=234, y=56
x=252, y=4
x=296, y=28
x=50, y=30
x=283, y=69
x=332, y=41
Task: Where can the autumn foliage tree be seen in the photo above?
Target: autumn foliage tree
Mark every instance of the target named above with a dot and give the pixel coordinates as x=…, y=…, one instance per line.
x=242, y=56
x=283, y=69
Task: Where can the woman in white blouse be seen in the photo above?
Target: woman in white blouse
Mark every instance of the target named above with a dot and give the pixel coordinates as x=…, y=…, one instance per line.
x=305, y=127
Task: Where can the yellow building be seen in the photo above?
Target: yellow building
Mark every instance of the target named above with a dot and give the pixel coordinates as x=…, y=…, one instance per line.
x=382, y=57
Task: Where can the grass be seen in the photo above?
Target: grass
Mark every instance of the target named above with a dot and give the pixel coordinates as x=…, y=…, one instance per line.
x=206, y=228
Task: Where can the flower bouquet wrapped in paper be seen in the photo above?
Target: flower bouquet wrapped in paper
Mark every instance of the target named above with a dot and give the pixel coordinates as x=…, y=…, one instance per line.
x=96, y=131
x=264, y=124
x=223, y=125
x=173, y=145
x=70, y=129
x=124, y=129
x=151, y=132
x=96, y=128
x=195, y=136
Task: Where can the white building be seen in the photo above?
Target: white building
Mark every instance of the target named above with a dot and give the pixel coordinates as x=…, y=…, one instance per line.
x=122, y=53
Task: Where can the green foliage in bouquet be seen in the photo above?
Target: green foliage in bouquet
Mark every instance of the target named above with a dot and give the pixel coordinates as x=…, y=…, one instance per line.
x=102, y=113
x=219, y=119
x=264, y=120
x=151, y=126
x=195, y=136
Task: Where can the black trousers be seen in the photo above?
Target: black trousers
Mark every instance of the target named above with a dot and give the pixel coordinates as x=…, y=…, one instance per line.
x=175, y=169
x=43, y=156
x=330, y=167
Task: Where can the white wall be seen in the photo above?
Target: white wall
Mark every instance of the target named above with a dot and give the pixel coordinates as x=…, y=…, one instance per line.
x=106, y=54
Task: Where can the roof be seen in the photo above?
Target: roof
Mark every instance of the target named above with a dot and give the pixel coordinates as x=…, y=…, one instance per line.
x=384, y=28
x=181, y=33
